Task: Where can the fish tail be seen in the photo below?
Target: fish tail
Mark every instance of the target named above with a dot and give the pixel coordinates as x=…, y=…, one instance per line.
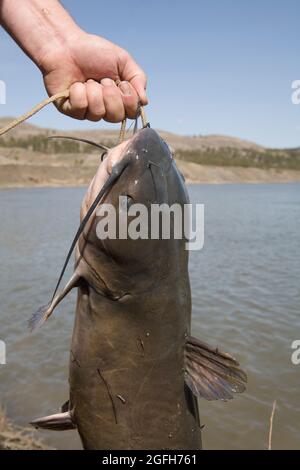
x=39, y=317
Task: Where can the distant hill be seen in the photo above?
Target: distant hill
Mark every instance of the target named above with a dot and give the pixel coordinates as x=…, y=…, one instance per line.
x=28, y=158
x=176, y=141
x=217, y=150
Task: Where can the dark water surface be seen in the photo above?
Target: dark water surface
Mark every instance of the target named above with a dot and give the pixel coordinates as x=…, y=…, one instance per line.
x=246, y=299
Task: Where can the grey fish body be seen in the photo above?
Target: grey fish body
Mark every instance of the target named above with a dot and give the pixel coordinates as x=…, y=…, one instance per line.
x=127, y=389
x=135, y=371
x=127, y=361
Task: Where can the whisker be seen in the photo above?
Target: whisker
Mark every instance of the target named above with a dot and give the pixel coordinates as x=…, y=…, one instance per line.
x=86, y=141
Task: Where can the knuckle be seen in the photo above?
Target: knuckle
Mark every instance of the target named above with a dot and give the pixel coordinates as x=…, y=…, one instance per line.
x=96, y=112
x=76, y=115
x=114, y=117
x=92, y=117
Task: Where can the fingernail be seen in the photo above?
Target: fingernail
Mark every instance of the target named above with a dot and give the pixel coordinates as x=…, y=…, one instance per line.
x=125, y=88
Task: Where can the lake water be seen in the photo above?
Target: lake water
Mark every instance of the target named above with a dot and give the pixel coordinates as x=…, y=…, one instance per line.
x=246, y=299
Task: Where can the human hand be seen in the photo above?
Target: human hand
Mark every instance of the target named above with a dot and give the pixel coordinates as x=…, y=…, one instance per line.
x=89, y=67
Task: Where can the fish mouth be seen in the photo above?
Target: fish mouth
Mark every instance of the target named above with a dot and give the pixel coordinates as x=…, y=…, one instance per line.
x=117, y=297
x=98, y=285
x=109, y=294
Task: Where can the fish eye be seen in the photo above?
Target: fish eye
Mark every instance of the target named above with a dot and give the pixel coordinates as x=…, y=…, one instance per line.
x=125, y=202
x=103, y=156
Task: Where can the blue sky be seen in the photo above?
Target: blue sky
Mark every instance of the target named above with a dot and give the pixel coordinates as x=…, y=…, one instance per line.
x=214, y=67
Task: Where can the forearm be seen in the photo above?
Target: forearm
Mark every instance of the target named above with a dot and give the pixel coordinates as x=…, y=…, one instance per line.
x=40, y=27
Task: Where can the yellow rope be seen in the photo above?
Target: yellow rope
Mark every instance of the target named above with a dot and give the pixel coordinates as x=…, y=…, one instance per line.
x=36, y=109
x=122, y=131
x=57, y=96
x=141, y=112
x=143, y=117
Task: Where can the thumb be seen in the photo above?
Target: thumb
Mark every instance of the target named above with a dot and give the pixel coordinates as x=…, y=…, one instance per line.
x=132, y=73
x=139, y=83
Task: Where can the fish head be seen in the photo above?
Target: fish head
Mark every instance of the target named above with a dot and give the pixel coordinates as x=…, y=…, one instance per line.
x=148, y=178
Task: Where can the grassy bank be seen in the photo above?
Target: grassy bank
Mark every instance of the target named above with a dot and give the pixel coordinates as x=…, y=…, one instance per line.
x=29, y=159
x=14, y=437
x=287, y=159
x=243, y=158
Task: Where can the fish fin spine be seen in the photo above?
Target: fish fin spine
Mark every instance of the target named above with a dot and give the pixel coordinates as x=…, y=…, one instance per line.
x=57, y=422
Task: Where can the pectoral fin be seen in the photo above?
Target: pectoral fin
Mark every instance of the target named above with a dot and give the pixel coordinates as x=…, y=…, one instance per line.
x=44, y=312
x=210, y=373
x=56, y=422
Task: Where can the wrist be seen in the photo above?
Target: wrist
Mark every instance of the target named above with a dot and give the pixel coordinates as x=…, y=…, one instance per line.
x=42, y=28
x=59, y=48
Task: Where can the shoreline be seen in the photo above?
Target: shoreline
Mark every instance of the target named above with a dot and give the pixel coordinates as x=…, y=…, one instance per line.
x=188, y=183
x=15, y=437
x=14, y=176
